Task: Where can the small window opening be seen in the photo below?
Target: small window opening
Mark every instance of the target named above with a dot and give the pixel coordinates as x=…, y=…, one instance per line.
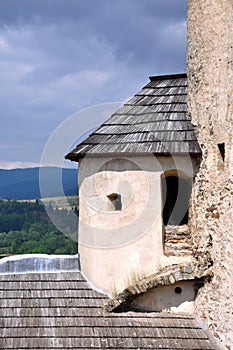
x=178, y=290
x=176, y=196
x=221, y=148
x=115, y=203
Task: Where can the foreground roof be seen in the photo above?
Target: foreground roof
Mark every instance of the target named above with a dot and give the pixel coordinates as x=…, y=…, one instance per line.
x=154, y=121
x=61, y=311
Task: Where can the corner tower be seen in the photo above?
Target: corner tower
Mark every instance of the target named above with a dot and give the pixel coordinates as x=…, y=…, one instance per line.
x=135, y=178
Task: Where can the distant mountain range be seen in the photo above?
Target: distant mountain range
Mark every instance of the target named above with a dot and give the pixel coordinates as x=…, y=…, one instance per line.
x=24, y=183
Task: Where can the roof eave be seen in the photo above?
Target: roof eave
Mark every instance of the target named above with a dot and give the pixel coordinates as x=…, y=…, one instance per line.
x=76, y=157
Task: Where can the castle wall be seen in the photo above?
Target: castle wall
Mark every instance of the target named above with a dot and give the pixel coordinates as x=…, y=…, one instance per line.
x=119, y=246
x=210, y=79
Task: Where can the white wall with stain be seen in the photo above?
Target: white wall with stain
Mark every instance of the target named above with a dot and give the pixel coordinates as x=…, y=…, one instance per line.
x=118, y=247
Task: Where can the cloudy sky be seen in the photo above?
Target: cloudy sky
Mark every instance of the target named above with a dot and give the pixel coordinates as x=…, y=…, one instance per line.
x=60, y=56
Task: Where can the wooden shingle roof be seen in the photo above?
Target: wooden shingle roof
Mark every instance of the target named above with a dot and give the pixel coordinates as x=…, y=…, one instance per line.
x=61, y=311
x=154, y=121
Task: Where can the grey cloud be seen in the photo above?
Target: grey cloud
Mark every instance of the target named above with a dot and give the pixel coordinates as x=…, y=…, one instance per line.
x=58, y=56
x=132, y=27
x=18, y=11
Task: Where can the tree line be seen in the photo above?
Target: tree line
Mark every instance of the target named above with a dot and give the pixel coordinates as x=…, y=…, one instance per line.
x=26, y=228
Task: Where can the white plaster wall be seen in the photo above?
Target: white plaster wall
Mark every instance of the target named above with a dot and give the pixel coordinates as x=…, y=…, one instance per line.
x=119, y=247
x=165, y=298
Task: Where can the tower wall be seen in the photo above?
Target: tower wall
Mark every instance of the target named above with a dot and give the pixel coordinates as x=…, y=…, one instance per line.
x=210, y=79
x=121, y=245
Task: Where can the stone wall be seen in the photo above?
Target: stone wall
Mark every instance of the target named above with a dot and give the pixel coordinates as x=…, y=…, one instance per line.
x=145, y=290
x=177, y=240
x=210, y=78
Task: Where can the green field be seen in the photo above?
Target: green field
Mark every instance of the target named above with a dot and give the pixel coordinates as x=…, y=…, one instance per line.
x=68, y=202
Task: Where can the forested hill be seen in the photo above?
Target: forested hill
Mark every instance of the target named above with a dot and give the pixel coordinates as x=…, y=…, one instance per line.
x=26, y=228
x=24, y=183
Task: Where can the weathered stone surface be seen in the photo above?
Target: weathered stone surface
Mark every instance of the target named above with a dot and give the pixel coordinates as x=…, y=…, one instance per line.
x=167, y=276
x=210, y=78
x=177, y=240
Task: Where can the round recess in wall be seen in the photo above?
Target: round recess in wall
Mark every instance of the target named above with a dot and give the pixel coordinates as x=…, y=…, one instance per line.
x=178, y=290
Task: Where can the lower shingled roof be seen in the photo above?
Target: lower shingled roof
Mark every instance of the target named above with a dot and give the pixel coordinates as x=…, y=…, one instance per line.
x=61, y=311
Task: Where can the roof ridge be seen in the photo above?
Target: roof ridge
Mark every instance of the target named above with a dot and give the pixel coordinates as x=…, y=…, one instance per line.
x=168, y=76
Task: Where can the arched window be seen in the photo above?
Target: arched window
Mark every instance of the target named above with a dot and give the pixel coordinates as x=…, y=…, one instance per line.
x=176, y=193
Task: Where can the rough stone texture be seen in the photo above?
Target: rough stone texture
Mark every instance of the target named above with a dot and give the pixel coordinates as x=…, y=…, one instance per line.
x=210, y=78
x=165, y=277
x=177, y=240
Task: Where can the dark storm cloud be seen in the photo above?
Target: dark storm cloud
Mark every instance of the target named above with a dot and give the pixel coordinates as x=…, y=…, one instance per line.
x=57, y=56
x=57, y=10
x=135, y=29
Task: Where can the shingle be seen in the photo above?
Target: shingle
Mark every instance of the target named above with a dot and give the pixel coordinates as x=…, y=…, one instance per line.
x=146, y=118
x=142, y=148
x=154, y=100
x=157, y=114
x=166, y=91
x=160, y=82
x=170, y=125
x=43, y=313
x=142, y=137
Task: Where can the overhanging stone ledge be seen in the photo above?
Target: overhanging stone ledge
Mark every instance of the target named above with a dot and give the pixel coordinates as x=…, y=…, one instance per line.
x=167, y=276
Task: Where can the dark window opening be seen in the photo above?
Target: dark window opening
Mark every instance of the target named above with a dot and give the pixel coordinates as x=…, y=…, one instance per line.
x=176, y=195
x=115, y=203
x=221, y=148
